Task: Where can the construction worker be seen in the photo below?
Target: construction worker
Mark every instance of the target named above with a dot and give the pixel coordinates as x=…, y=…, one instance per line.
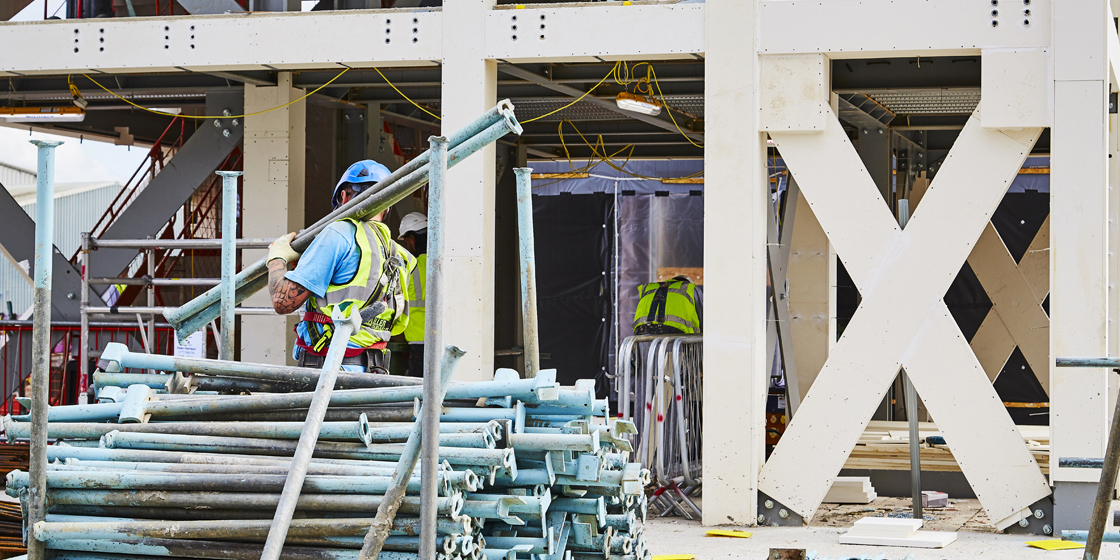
x=672, y=307
x=350, y=263
x=414, y=237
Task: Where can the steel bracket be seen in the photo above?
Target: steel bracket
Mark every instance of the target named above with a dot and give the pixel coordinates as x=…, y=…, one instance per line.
x=773, y=514
x=1040, y=522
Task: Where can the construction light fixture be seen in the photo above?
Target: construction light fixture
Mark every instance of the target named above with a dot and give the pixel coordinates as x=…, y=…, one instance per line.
x=79, y=101
x=638, y=104
x=42, y=114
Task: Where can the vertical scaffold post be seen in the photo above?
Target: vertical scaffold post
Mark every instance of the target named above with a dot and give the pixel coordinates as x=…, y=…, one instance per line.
x=229, y=260
x=433, y=349
x=528, y=264
x=41, y=342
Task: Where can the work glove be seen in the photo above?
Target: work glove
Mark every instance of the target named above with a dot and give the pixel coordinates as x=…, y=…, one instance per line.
x=282, y=249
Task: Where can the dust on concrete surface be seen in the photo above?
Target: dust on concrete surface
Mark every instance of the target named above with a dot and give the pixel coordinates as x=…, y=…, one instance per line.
x=975, y=539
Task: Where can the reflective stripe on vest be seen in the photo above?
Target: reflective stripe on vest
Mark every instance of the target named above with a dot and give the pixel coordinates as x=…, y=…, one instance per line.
x=416, y=298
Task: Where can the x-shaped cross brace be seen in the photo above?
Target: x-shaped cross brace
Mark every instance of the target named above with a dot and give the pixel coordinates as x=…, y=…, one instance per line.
x=1017, y=291
x=902, y=320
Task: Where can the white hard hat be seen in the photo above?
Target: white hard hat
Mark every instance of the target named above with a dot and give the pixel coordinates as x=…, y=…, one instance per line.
x=413, y=221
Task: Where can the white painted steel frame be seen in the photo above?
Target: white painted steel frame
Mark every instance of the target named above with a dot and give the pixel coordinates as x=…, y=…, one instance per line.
x=732, y=32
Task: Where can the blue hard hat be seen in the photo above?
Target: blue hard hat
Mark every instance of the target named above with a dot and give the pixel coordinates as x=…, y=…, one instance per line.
x=361, y=176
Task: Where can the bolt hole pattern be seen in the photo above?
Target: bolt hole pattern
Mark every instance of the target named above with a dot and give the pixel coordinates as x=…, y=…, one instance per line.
x=995, y=23
x=415, y=40
x=1027, y=22
x=515, y=37
x=542, y=17
x=514, y=18
x=995, y=13
x=386, y=40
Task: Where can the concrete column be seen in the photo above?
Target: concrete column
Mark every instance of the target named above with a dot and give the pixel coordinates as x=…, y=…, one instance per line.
x=273, y=203
x=469, y=88
x=812, y=300
x=736, y=205
x=1079, y=209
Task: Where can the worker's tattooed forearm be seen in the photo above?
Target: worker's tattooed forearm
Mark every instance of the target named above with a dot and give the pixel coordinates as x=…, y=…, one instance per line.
x=287, y=296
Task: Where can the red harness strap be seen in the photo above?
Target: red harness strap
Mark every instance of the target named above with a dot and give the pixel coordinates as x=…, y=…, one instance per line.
x=326, y=320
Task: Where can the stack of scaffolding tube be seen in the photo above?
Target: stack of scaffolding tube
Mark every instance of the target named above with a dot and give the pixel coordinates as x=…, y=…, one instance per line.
x=528, y=468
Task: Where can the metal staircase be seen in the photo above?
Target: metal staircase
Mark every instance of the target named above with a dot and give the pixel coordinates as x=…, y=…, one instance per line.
x=147, y=208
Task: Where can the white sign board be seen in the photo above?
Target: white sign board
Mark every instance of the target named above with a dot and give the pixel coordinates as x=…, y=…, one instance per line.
x=193, y=347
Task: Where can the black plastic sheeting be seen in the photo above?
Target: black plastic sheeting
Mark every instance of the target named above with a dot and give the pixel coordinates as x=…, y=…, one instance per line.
x=573, y=251
x=1017, y=219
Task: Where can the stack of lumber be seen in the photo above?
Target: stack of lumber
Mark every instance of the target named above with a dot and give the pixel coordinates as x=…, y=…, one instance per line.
x=13, y=457
x=885, y=531
x=850, y=490
x=11, y=529
x=886, y=446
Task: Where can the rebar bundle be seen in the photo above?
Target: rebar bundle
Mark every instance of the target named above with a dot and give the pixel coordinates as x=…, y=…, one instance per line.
x=528, y=468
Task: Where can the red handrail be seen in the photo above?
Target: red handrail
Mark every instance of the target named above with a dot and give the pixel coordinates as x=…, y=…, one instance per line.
x=130, y=188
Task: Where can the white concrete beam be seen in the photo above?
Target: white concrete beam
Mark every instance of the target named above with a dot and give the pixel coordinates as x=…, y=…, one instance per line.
x=470, y=85
x=590, y=33
x=223, y=42
x=736, y=202
x=273, y=200
x=947, y=27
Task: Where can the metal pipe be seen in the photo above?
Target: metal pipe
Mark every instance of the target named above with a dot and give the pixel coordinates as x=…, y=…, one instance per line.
x=229, y=261
x=151, y=293
x=465, y=480
x=528, y=262
x=488, y=128
x=92, y=528
x=125, y=358
x=254, y=243
x=345, y=324
x=1099, y=519
x=1080, y=463
x=434, y=386
x=41, y=337
x=156, y=281
x=217, y=550
x=1082, y=536
x=83, y=333
x=81, y=478
x=340, y=431
x=912, y=407
x=152, y=310
x=366, y=503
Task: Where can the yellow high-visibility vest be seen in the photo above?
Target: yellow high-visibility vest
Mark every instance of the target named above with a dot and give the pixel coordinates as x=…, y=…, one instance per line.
x=415, y=295
x=671, y=303
x=383, y=264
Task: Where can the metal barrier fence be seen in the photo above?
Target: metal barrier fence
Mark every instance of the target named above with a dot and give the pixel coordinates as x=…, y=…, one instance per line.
x=659, y=382
x=15, y=355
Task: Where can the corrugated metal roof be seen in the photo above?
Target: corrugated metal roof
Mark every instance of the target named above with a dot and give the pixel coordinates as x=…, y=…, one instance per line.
x=13, y=175
x=76, y=209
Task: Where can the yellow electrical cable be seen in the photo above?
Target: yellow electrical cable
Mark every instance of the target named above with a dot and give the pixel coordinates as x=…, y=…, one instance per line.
x=158, y=112
x=418, y=106
x=580, y=98
x=606, y=159
x=667, y=110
